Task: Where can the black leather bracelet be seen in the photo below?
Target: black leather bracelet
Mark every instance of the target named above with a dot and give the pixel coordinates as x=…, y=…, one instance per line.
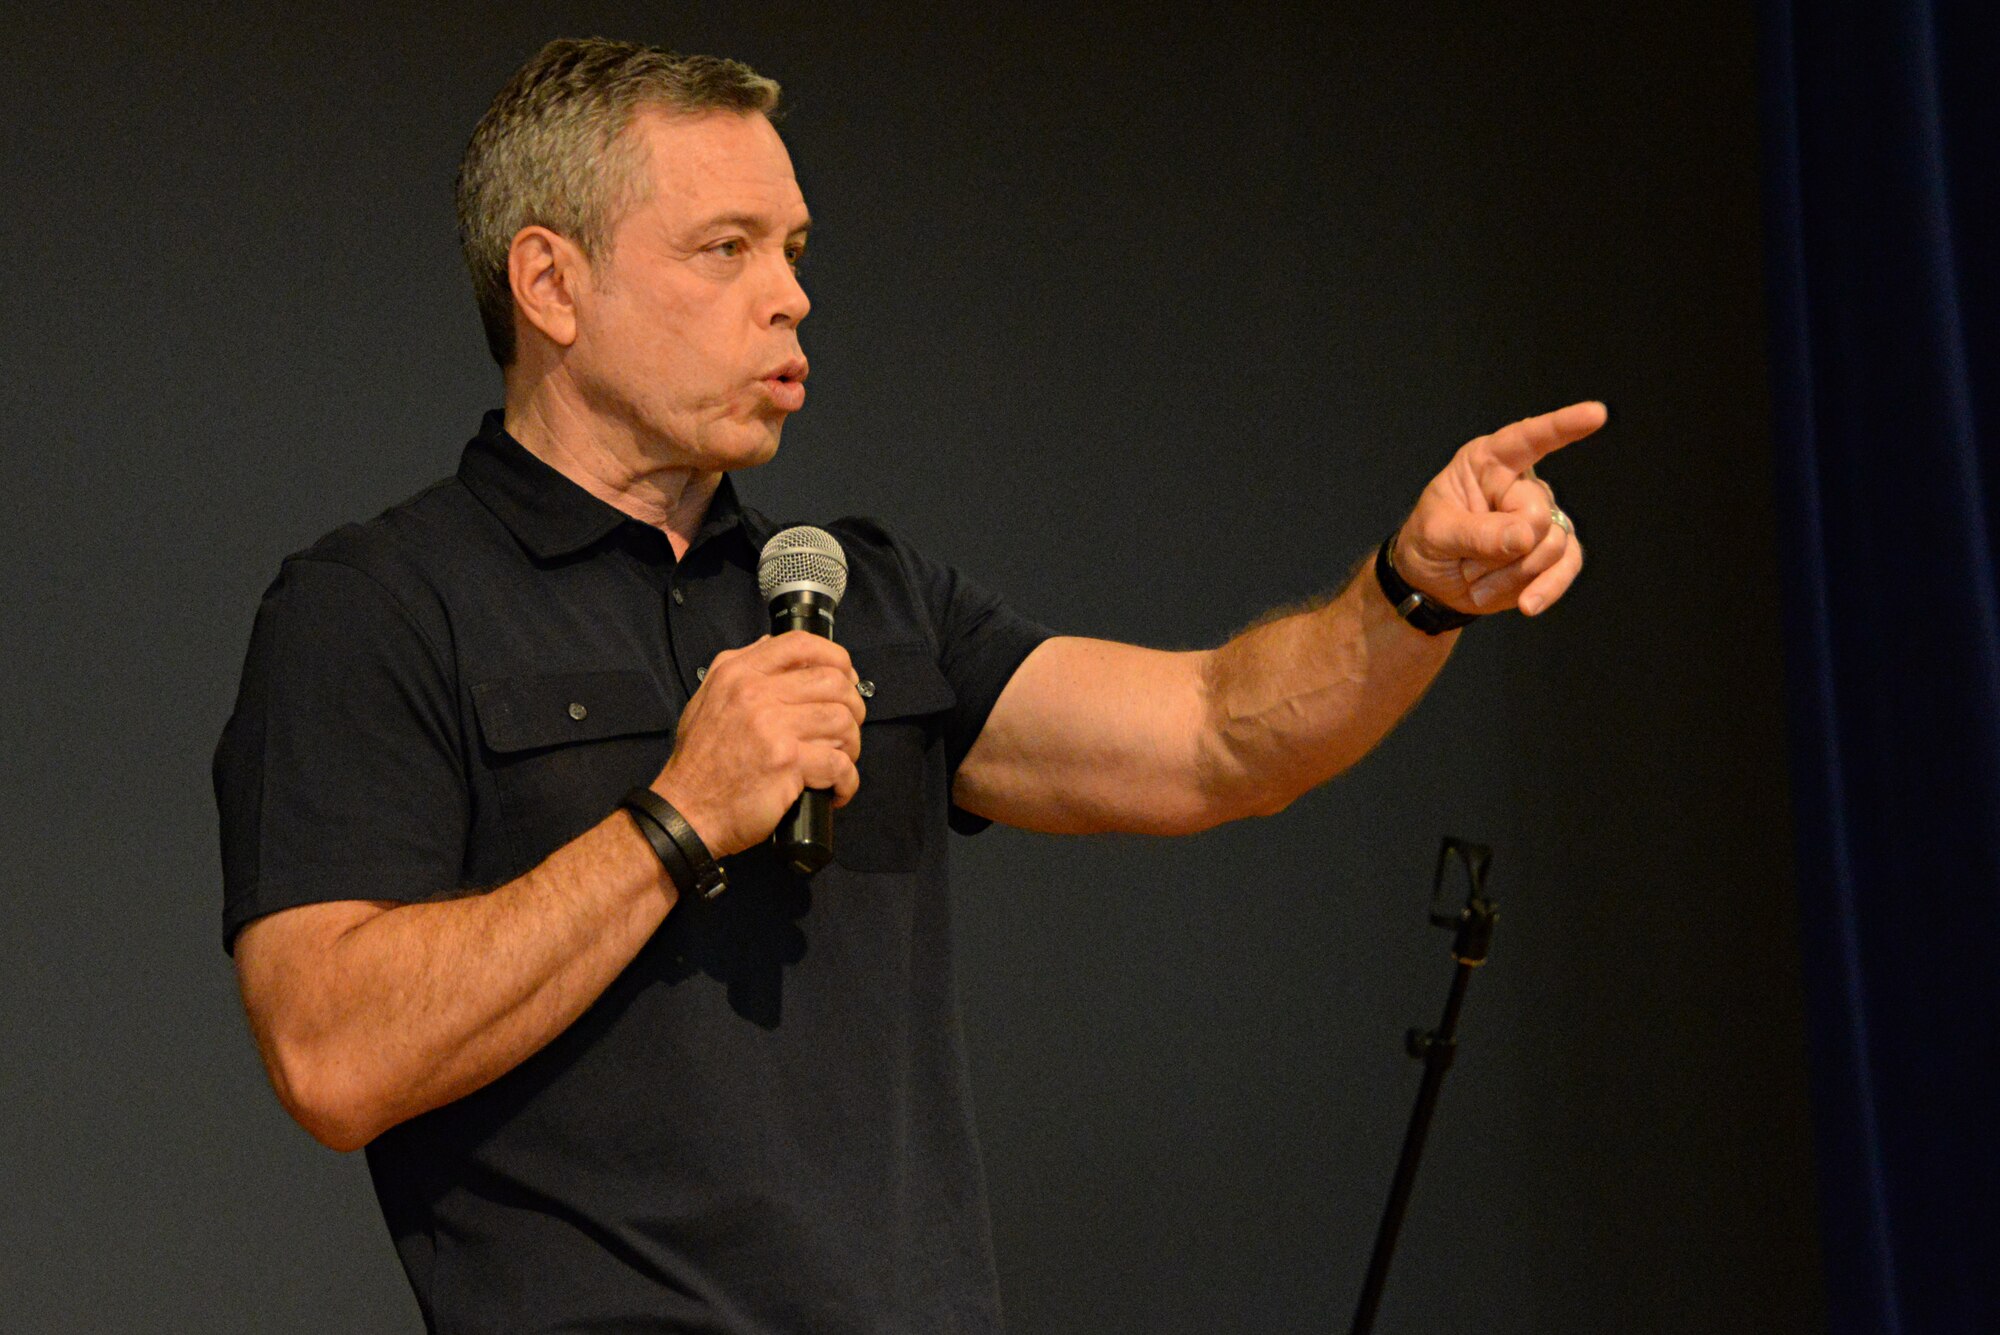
x=664, y=848
x=1432, y=618
x=680, y=850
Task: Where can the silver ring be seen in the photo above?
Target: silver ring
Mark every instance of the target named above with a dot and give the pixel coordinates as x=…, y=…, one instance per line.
x=1556, y=516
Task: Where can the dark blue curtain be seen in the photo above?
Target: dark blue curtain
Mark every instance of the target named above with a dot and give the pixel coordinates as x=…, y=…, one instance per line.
x=1882, y=138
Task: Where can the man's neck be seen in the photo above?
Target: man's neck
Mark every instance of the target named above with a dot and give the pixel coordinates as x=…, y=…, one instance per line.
x=611, y=463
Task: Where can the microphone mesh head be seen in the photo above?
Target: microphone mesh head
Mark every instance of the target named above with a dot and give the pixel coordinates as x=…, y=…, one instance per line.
x=802, y=558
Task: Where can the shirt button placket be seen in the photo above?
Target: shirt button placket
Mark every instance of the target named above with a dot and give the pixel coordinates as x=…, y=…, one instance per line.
x=677, y=630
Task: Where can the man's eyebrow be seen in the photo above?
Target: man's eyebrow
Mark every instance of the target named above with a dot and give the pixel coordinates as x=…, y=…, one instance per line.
x=749, y=222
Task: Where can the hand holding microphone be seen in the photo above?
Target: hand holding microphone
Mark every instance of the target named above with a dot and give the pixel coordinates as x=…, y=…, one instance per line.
x=771, y=738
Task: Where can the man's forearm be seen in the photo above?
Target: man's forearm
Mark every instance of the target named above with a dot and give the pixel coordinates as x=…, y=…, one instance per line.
x=1091, y=735
x=368, y=1014
x=1298, y=698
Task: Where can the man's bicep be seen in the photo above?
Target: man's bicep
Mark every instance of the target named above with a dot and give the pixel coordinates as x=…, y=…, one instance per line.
x=279, y=951
x=1092, y=735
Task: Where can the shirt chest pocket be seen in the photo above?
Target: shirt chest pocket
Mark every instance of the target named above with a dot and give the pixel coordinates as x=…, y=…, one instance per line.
x=564, y=747
x=900, y=807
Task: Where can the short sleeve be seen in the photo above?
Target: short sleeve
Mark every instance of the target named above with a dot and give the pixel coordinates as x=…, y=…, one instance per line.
x=338, y=775
x=981, y=641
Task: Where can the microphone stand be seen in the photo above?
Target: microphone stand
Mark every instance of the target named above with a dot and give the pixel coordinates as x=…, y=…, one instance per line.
x=1435, y=1048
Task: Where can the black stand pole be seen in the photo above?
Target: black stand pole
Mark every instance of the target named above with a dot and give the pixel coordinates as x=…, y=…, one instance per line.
x=1474, y=926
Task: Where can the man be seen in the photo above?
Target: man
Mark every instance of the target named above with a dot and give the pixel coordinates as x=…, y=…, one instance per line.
x=488, y=744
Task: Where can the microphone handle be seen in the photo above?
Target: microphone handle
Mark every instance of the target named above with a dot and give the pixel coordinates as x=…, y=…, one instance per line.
x=805, y=835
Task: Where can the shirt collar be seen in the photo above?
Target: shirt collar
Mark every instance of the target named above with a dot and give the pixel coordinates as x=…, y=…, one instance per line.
x=551, y=515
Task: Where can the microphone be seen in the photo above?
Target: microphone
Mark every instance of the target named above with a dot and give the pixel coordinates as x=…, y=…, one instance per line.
x=802, y=573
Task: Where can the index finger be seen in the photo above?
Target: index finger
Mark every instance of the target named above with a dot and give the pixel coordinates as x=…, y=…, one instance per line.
x=1518, y=447
x=798, y=648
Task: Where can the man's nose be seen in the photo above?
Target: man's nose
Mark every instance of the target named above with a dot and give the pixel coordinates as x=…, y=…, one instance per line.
x=788, y=300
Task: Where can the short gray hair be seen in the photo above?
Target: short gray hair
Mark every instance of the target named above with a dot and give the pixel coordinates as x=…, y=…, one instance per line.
x=552, y=151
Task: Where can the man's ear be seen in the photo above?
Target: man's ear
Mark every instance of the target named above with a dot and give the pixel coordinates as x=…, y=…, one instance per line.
x=547, y=271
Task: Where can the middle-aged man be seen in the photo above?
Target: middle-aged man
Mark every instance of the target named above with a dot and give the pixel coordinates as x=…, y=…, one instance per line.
x=488, y=744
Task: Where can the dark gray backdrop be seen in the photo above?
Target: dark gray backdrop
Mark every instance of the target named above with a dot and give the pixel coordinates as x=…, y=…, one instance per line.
x=1151, y=318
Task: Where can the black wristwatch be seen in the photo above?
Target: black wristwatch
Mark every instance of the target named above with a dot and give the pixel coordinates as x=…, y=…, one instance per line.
x=1432, y=618
x=680, y=850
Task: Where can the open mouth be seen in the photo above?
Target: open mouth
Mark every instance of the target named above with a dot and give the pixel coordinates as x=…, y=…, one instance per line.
x=787, y=386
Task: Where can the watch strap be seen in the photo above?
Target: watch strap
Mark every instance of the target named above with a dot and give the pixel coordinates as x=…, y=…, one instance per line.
x=1427, y=615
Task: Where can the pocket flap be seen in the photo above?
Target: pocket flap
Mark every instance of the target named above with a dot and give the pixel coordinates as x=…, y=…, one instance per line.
x=904, y=681
x=524, y=713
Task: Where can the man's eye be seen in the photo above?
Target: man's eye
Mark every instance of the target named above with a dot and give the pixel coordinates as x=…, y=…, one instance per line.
x=795, y=255
x=729, y=250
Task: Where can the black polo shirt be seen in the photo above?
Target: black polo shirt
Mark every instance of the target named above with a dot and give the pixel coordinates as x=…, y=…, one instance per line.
x=763, y=1124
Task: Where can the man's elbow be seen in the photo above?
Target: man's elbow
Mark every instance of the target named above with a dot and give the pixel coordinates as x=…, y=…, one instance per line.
x=1267, y=802
x=1253, y=800
x=1231, y=790
x=323, y=1097
x=1238, y=781
x=326, y=1073
x=1205, y=806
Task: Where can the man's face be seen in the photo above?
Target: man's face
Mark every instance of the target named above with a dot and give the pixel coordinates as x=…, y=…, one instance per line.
x=689, y=334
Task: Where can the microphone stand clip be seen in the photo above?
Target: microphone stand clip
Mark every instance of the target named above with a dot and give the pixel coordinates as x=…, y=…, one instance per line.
x=1472, y=924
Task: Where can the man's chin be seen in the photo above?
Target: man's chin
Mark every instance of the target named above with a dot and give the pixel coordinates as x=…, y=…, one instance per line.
x=758, y=445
